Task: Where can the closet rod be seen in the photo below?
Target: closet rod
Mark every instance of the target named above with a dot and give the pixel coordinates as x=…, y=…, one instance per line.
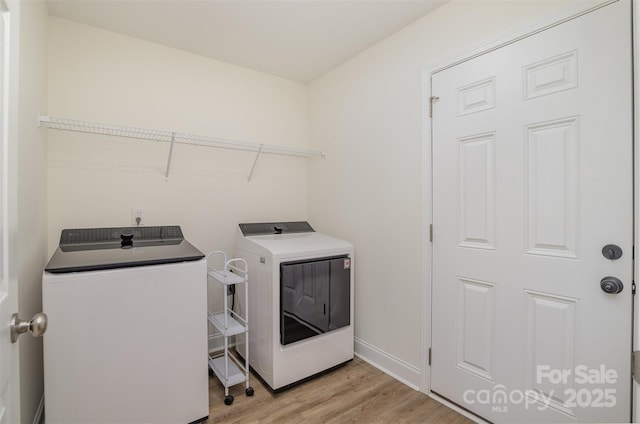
x=171, y=137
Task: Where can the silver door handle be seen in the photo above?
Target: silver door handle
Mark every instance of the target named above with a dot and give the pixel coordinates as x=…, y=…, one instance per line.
x=37, y=326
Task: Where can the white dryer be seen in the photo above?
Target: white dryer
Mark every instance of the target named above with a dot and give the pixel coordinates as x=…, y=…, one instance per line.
x=300, y=301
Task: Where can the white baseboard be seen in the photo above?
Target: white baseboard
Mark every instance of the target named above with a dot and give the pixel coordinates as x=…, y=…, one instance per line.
x=38, y=418
x=389, y=364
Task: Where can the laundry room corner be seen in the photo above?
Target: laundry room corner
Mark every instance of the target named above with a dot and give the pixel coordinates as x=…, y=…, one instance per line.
x=205, y=190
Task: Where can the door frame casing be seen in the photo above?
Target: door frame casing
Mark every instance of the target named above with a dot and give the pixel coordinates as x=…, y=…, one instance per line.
x=635, y=33
x=9, y=193
x=573, y=10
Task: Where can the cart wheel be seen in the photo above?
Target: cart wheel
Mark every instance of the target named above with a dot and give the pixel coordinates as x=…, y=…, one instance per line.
x=210, y=372
x=228, y=400
x=249, y=391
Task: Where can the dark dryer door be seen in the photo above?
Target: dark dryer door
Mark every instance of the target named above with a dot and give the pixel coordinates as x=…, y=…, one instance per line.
x=314, y=297
x=340, y=293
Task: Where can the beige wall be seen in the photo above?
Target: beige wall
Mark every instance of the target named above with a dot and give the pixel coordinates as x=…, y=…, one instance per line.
x=368, y=113
x=94, y=181
x=31, y=193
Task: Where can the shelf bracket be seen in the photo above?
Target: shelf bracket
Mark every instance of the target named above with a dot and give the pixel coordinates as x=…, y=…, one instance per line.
x=41, y=119
x=253, y=167
x=173, y=139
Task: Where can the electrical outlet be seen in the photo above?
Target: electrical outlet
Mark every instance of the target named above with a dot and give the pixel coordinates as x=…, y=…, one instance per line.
x=137, y=217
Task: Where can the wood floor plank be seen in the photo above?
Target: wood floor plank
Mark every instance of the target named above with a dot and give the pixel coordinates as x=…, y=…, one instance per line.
x=355, y=393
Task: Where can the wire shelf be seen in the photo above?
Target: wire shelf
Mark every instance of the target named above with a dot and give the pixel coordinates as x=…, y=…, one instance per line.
x=76, y=125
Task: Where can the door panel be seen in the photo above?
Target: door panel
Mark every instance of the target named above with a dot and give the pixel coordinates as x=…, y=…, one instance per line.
x=550, y=319
x=551, y=186
x=476, y=192
x=475, y=334
x=532, y=176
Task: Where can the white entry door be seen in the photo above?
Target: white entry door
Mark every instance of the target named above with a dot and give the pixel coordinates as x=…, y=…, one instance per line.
x=532, y=178
x=9, y=400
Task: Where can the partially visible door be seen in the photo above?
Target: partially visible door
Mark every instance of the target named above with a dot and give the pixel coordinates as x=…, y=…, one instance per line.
x=532, y=209
x=9, y=400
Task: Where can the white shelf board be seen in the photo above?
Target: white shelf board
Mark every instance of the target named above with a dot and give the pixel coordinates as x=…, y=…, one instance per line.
x=236, y=375
x=233, y=326
x=227, y=279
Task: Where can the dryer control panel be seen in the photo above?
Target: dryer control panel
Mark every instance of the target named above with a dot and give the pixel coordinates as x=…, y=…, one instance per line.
x=264, y=228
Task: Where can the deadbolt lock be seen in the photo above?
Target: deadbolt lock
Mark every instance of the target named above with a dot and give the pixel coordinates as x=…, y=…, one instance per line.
x=612, y=251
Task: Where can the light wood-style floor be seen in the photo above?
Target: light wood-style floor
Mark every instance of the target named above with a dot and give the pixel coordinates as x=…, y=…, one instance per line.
x=355, y=393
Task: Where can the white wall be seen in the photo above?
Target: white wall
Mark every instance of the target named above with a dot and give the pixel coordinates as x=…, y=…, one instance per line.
x=94, y=181
x=29, y=98
x=368, y=113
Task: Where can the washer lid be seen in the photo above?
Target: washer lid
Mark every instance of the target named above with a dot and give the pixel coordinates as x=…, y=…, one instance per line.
x=92, y=249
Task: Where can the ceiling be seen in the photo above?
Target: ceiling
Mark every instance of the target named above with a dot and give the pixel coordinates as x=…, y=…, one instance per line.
x=294, y=39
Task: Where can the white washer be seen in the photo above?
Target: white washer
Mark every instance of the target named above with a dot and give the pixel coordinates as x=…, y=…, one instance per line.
x=322, y=266
x=127, y=336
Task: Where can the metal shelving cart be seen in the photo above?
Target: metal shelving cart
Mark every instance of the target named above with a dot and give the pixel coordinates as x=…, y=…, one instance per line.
x=227, y=366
